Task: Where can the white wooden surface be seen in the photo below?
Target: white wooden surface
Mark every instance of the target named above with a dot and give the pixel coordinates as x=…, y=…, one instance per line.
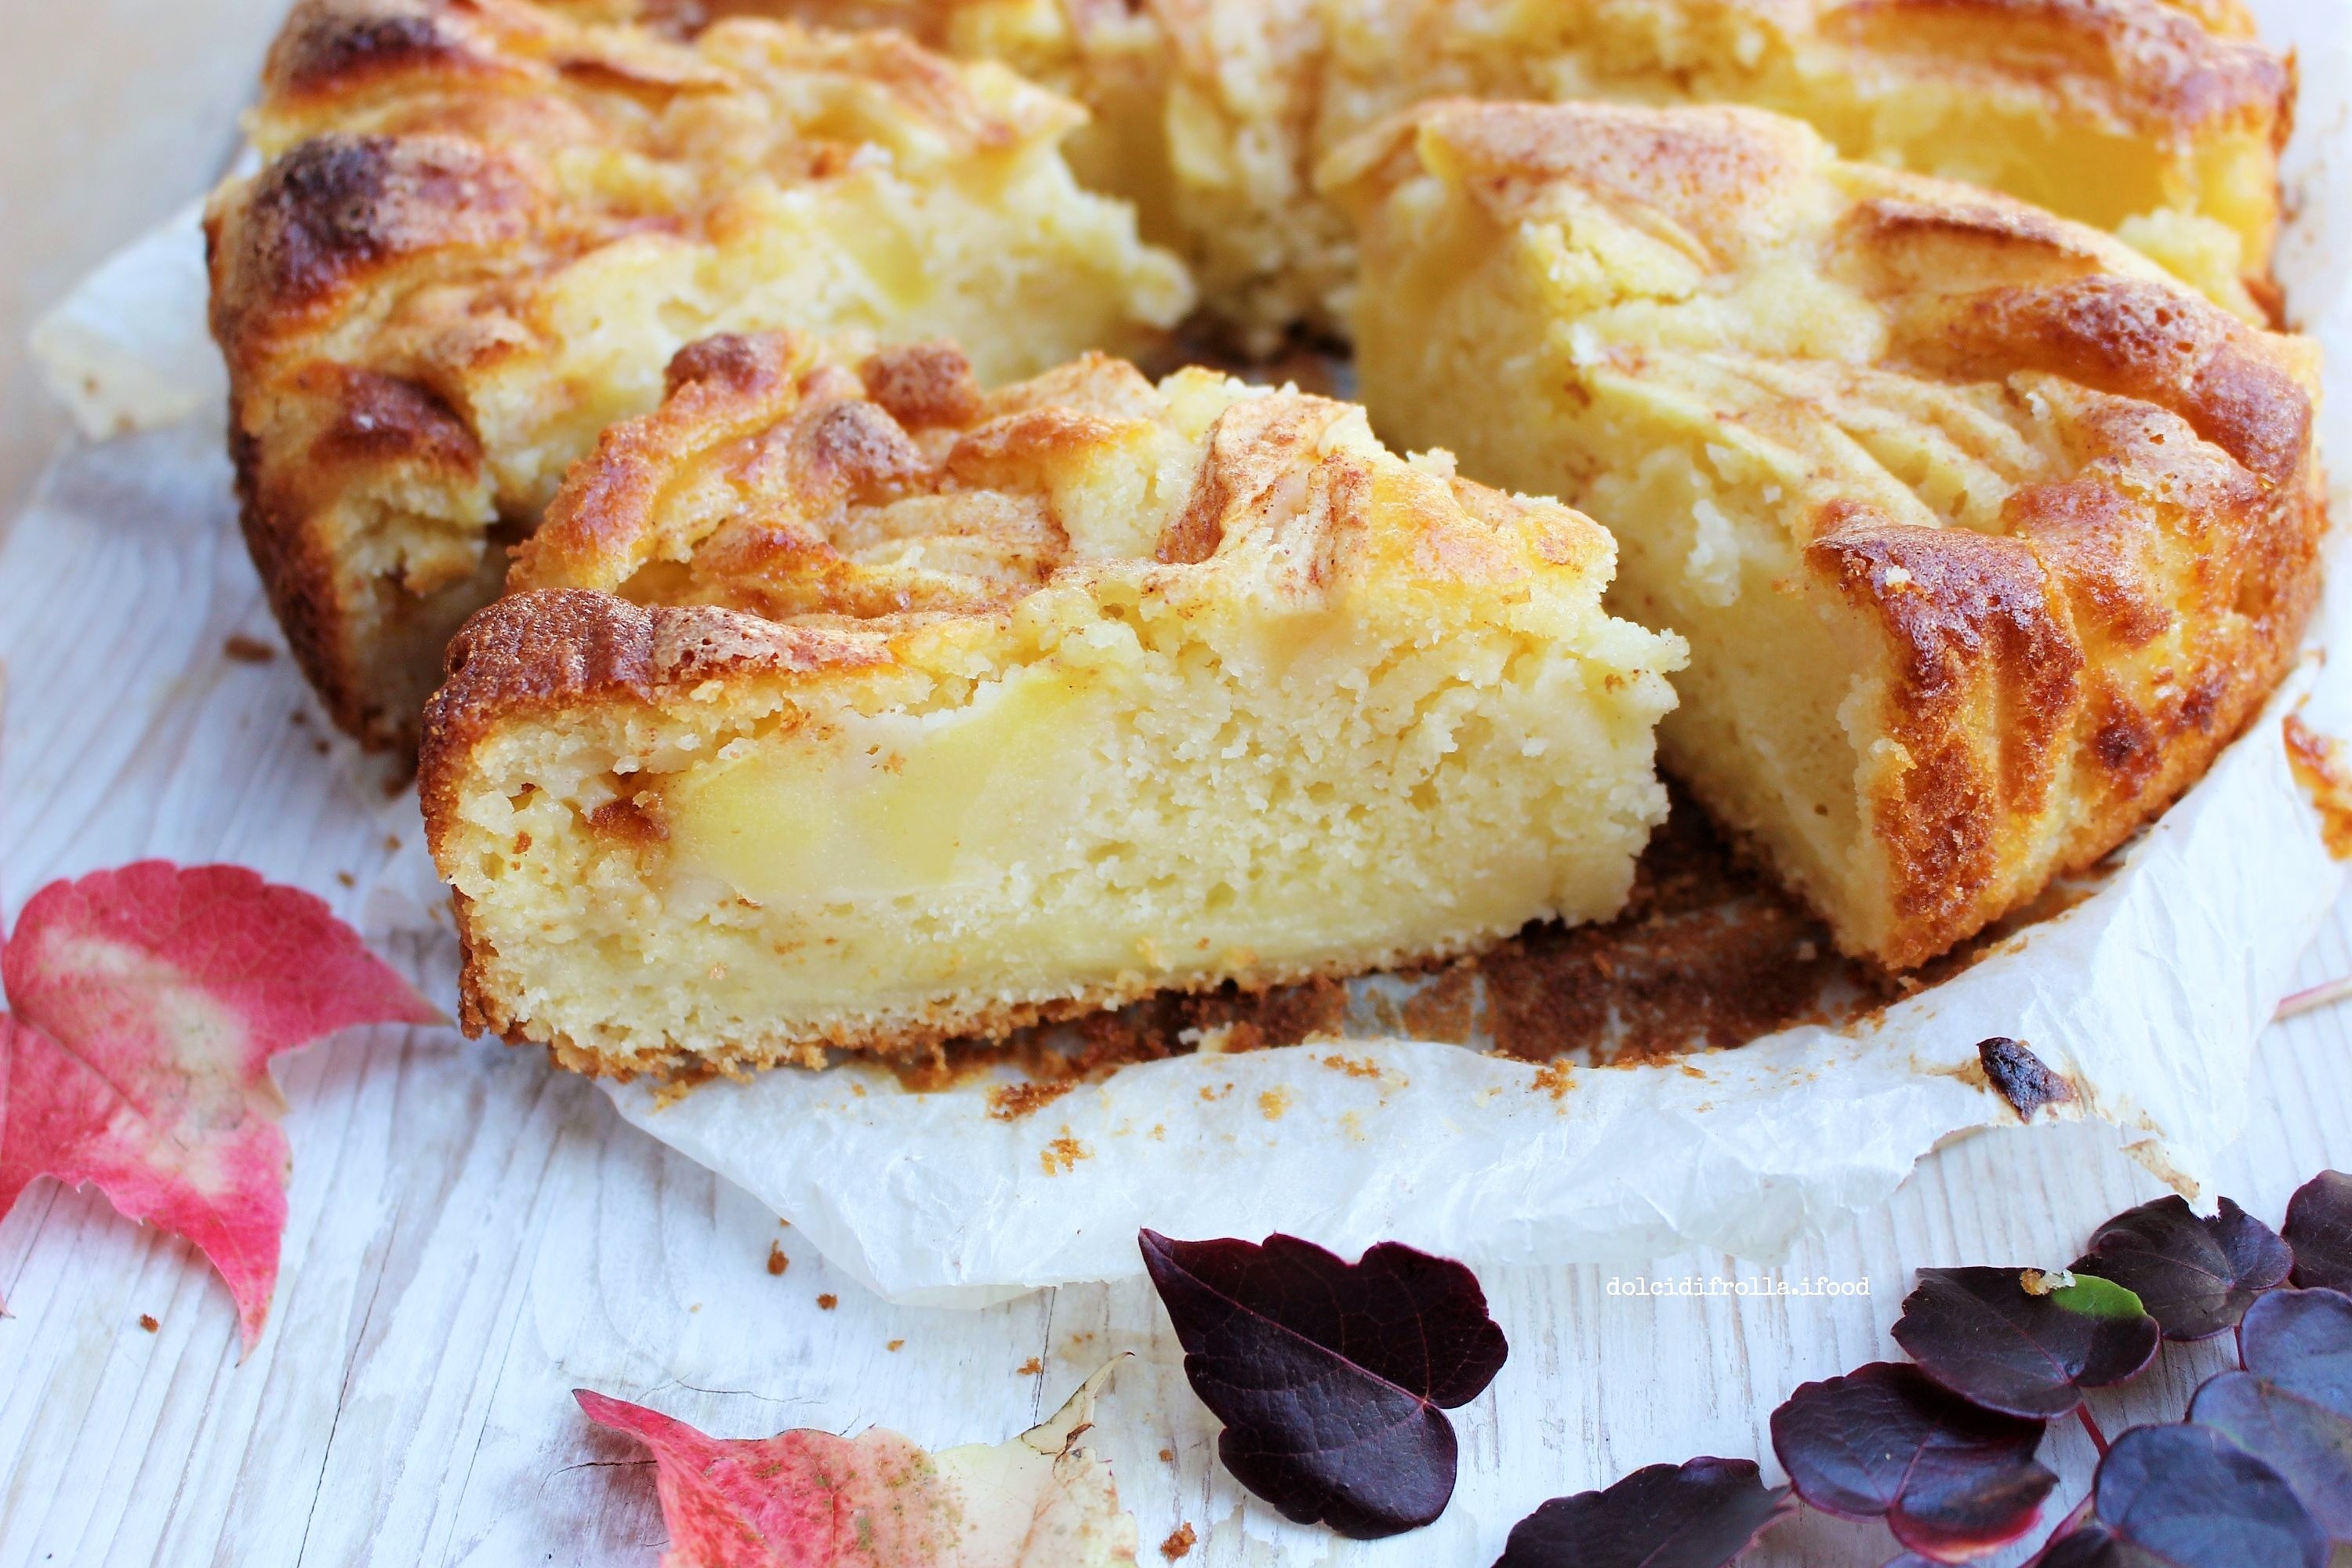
x=473, y=1234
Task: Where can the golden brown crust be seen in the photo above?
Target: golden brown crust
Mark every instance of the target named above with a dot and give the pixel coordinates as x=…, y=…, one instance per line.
x=2159, y=70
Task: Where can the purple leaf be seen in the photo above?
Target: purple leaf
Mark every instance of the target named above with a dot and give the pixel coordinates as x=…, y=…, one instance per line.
x=2186, y=1497
x=2292, y=1407
x=1330, y=1376
x=2319, y=1227
x=2195, y=1277
x=1983, y=1334
x=1951, y=1479
x=1700, y=1514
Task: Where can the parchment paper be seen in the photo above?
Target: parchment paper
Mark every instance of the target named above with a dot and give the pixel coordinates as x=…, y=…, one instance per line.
x=2146, y=996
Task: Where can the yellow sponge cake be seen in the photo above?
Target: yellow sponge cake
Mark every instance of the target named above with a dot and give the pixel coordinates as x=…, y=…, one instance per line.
x=857, y=708
x=485, y=225
x=1986, y=534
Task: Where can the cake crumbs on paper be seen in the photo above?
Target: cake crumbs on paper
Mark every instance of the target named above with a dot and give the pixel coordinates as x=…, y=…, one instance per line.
x=1274, y=1103
x=896, y=1345
x=243, y=650
x=347, y=879
x=1011, y=1101
x=827, y=1302
x=1178, y=1542
x=1555, y=1077
x=777, y=1261
x=1029, y=1368
x=1167, y=1456
x=1063, y=1154
x=147, y=1321
x=1214, y=1094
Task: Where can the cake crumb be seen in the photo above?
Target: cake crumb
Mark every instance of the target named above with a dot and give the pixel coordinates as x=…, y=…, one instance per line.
x=1063, y=1154
x=1167, y=1456
x=827, y=1302
x=347, y=879
x=1029, y=1368
x=777, y=1261
x=247, y=650
x=896, y=1345
x=1178, y=1542
x=1011, y=1101
x=1274, y=1103
x=147, y=1321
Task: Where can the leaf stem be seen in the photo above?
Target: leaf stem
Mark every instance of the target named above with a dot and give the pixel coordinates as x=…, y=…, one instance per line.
x=2098, y=1438
x=2319, y=995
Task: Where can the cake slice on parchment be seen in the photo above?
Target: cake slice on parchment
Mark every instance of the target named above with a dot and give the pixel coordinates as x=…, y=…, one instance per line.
x=1986, y=534
x=483, y=227
x=854, y=707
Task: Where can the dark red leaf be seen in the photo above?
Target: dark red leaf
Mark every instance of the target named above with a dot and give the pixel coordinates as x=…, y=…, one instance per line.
x=1981, y=1333
x=1701, y=1515
x=2292, y=1407
x=1330, y=1377
x=2319, y=1227
x=2186, y=1497
x=1952, y=1480
x=2195, y=1277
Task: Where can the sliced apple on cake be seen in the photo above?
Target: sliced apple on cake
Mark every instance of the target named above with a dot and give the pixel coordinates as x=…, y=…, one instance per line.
x=854, y=706
x=1986, y=534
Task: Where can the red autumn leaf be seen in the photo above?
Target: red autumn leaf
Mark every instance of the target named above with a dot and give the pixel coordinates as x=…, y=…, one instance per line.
x=147, y=1003
x=812, y=1499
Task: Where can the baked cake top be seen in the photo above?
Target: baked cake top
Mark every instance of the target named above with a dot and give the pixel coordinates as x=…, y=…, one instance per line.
x=780, y=482
x=462, y=147
x=1699, y=232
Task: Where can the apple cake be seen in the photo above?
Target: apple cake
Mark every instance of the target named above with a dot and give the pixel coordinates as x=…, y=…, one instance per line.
x=841, y=706
x=483, y=227
x=2158, y=120
x=1986, y=534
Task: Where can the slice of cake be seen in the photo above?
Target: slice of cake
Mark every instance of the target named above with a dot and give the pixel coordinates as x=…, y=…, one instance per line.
x=485, y=225
x=1986, y=534
x=2161, y=119
x=858, y=708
